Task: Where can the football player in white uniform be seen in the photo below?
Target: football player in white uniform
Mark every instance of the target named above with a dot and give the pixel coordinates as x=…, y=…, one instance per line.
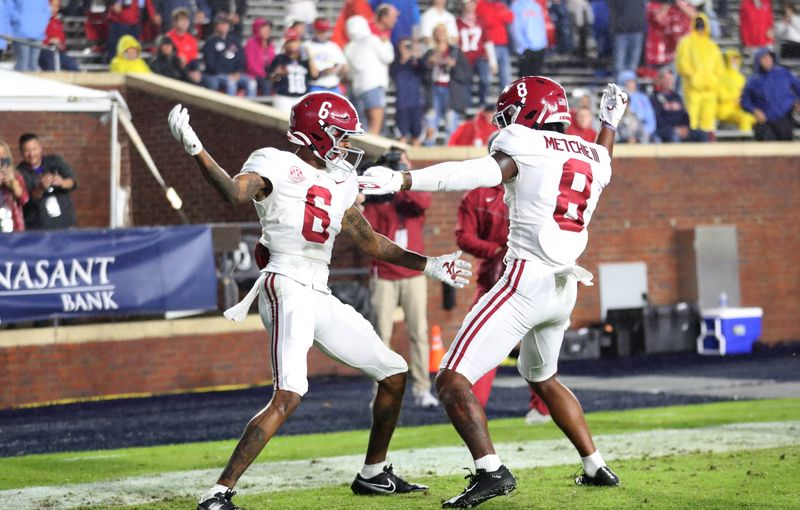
x=553, y=182
x=304, y=200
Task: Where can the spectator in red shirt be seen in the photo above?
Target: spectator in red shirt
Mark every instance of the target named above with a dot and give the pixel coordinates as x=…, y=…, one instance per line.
x=667, y=23
x=385, y=19
x=583, y=125
x=476, y=131
x=349, y=9
x=54, y=36
x=401, y=218
x=482, y=231
x=124, y=17
x=495, y=17
x=476, y=48
x=185, y=43
x=755, y=23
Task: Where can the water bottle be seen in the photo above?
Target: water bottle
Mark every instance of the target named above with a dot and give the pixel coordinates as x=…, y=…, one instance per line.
x=723, y=299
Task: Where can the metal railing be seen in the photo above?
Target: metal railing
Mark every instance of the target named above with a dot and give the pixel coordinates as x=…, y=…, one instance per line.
x=37, y=44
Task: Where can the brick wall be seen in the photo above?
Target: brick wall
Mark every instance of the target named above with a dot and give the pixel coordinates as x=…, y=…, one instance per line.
x=57, y=372
x=34, y=374
x=650, y=200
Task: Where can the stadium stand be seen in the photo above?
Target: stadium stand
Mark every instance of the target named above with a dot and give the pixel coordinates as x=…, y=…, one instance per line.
x=568, y=70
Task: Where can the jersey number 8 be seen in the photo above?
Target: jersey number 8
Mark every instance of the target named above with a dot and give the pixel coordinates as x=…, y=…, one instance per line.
x=574, y=191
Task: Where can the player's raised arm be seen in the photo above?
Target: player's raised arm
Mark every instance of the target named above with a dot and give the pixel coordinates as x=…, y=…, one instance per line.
x=612, y=108
x=466, y=175
x=239, y=189
x=448, y=268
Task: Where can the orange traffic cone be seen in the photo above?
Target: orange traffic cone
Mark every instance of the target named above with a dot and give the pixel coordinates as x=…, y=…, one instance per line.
x=437, y=349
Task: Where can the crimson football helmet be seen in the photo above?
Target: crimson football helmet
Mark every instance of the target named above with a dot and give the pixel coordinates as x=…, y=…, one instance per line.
x=532, y=101
x=321, y=121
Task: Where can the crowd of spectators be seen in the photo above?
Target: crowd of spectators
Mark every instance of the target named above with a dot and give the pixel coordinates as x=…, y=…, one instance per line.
x=442, y=61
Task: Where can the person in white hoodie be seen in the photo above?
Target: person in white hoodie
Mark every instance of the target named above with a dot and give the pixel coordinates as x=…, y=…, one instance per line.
x=368, y=58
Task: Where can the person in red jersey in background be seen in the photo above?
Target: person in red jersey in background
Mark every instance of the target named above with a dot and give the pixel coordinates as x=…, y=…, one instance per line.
x=583, y=125
x=478, y=50
x=475, y=131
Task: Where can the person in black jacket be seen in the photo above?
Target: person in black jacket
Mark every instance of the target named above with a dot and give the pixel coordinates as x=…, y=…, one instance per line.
x=224, y=58
x=50, y=181
x=672, y=119
x=167, y=62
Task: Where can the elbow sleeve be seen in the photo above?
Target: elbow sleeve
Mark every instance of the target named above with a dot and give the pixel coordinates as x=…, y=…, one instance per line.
x=458, y=175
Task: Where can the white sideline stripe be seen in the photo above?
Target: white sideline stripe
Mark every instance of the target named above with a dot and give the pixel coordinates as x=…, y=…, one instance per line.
x=411, y=464
x=674, y=385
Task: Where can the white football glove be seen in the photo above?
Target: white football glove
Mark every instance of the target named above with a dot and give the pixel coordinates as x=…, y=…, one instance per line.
x=450, y=269
x=380, y=180
x=613, y=104
x=179, y=125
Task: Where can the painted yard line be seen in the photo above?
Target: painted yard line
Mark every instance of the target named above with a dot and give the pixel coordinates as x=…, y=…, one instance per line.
x=312, y=473
x=678, y=385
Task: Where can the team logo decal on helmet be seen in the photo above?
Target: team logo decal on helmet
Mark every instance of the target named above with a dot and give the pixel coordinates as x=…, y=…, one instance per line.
x=532, y=101
x=321, y=121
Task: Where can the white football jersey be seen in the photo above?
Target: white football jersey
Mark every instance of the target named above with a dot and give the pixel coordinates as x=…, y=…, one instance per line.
x=552, y=199
x=303, y=215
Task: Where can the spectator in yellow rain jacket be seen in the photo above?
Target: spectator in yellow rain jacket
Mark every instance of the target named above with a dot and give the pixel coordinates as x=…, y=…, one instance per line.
x=730, y=91
x=129, y=57
x=699, y=63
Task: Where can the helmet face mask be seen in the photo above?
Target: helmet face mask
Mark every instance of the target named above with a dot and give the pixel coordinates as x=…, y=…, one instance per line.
x=323, y=122
x=532, y=101
x=340, y=155
x=506, y=116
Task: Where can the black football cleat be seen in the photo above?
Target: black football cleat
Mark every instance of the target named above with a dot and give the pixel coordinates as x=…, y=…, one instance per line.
x=220, y=501
x=384, y=483
x=482, y=486
x=603, y=478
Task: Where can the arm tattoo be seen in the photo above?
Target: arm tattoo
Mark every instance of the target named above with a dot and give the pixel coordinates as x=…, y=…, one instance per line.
x=231, y=190
x=376, y=245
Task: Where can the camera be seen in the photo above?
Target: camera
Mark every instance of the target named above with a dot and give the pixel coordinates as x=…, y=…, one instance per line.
x=391, y=159
x=4, y=162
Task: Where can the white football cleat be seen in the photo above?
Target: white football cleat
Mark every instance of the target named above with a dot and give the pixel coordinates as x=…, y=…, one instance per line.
x=425, y=400
x=535, y=417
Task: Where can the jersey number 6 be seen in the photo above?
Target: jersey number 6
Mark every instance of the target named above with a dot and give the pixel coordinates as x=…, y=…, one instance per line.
x=313, y=212
x=573, y=192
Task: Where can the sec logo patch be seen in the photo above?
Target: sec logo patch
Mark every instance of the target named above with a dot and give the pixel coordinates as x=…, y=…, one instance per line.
x=296, y=175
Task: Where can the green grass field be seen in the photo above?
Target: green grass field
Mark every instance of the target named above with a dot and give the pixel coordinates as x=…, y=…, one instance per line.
x=746, y=476
x=747, y=480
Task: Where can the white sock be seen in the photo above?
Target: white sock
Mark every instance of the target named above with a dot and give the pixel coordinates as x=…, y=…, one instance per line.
x=372, y=470
x=592, y=463
x=489, y=463
x=214, y=491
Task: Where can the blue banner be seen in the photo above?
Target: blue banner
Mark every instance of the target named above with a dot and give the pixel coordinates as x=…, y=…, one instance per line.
x=70, y=273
